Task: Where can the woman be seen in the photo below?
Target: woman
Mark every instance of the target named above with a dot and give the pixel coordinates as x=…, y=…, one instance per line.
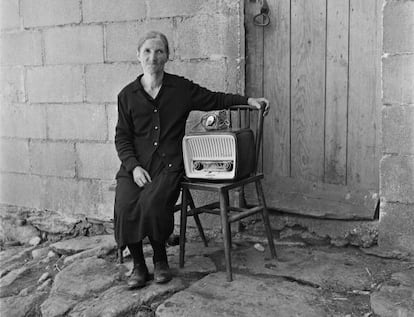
x=152, y=112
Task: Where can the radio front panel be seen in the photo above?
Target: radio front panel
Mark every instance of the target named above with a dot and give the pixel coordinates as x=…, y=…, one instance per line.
x=219, y=155
x=210, y=156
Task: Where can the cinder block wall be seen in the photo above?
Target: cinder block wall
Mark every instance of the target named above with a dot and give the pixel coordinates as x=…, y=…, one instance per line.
x=63, y=63
x=397, y=164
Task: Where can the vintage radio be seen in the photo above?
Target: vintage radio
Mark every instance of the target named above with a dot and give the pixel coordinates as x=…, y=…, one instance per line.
x=219, y=154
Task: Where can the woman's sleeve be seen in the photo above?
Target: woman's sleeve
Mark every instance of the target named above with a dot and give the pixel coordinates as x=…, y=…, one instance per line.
x=124, y=138
x=207, y=100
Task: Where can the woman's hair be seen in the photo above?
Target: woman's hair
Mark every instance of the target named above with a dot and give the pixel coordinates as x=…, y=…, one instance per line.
x=154, y=35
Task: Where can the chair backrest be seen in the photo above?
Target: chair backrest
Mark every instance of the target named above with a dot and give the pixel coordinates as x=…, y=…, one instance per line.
x=245, y=116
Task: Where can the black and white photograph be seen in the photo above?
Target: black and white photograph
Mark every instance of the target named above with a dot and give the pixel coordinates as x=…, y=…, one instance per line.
x=206, y=158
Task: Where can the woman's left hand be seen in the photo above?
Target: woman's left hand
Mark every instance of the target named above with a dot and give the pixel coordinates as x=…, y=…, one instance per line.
x=257, y=102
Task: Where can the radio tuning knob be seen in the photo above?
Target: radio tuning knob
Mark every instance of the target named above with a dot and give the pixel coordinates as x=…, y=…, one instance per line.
x=198, y=166
x=228, y=166
x=210, y=121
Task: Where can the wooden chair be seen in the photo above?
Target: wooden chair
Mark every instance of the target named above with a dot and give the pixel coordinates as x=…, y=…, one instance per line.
x=240, y=117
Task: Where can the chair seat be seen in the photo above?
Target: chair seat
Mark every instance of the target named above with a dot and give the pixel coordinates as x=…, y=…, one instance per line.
x=219, y=185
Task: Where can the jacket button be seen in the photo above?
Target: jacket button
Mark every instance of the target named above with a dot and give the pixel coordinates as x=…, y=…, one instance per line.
x=169, y=165
x=156, y=127
x=155, y=110
x=155, y=143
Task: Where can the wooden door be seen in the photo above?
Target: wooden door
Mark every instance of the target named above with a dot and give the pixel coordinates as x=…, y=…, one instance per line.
x=318, y=62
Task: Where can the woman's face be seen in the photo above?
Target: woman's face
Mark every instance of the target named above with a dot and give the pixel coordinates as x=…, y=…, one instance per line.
x=152, y=56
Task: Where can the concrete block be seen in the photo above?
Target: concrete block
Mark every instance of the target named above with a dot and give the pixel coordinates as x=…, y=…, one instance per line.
x=106, y=207
x=77, y=122
x=113, y=10
x=78, y=44
x=10, y=18
x=235, y=75
x=233, y=44
x=398, y=79
x=398, y=26
x=104, y=82
x=112, y=115
x=208, y=36
x=50, y=12
x=21, y=48
x=12, y=84
x=230, y=7
x=14, y=155
x=396, y=229
x=23, y=121
x=122, y=38
x=398, y=129
x=53, y=159
x=172, y=8
x=97, y=160
x=55, y=84
x=71, y=196
x=21, y=190
x=396, y=179
x=209, y=74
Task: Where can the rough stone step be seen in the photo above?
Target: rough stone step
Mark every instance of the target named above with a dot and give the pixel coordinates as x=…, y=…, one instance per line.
x=76, y=245
x=13, y=257
x=396, y=297
x=339, y=279
x=20, y=278
x=245, y=296
x=17, y=306
x=120, y=301
x=79, y=281
x=98, y=252
x=341, y=270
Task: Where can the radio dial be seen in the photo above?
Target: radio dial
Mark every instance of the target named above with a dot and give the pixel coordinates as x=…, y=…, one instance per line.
x=228, y=166
x=198, y=166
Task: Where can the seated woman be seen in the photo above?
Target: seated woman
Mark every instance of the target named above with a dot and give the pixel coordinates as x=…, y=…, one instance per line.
x=152, y=113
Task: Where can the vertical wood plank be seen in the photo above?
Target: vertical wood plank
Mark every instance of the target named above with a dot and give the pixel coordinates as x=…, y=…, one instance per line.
x=254, y=54
x=254, y=50
x=336, y=91
x=308, y=40
x=364, y=94
x=277, y=89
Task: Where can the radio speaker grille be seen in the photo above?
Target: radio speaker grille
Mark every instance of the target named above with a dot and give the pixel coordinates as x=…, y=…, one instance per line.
x=211, y=147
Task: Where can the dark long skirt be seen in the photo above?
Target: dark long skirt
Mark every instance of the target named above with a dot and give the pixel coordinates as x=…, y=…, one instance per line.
x=146, y=211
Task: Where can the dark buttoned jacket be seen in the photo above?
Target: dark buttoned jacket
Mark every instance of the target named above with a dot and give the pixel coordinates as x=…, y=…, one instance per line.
x=148, y=126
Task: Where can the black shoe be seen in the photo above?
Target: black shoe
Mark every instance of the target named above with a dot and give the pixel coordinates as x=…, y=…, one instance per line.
x=139, y=276
x=162, y=273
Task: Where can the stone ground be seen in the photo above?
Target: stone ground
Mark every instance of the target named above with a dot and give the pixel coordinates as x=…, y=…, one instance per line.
x=81, y=277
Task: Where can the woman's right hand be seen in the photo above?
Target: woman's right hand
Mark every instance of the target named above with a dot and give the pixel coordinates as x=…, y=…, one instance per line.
x=141, y=176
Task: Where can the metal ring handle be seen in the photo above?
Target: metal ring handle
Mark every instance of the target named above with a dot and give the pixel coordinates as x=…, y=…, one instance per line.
x=262, y=19
x=265, y=21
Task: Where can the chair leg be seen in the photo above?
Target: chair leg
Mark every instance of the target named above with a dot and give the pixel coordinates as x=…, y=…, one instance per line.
x=200, y=229
x=120, y=255
x=197, y=219
x=265, y=217
x=226, y=234
x=183, y=225
x=226, y=196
